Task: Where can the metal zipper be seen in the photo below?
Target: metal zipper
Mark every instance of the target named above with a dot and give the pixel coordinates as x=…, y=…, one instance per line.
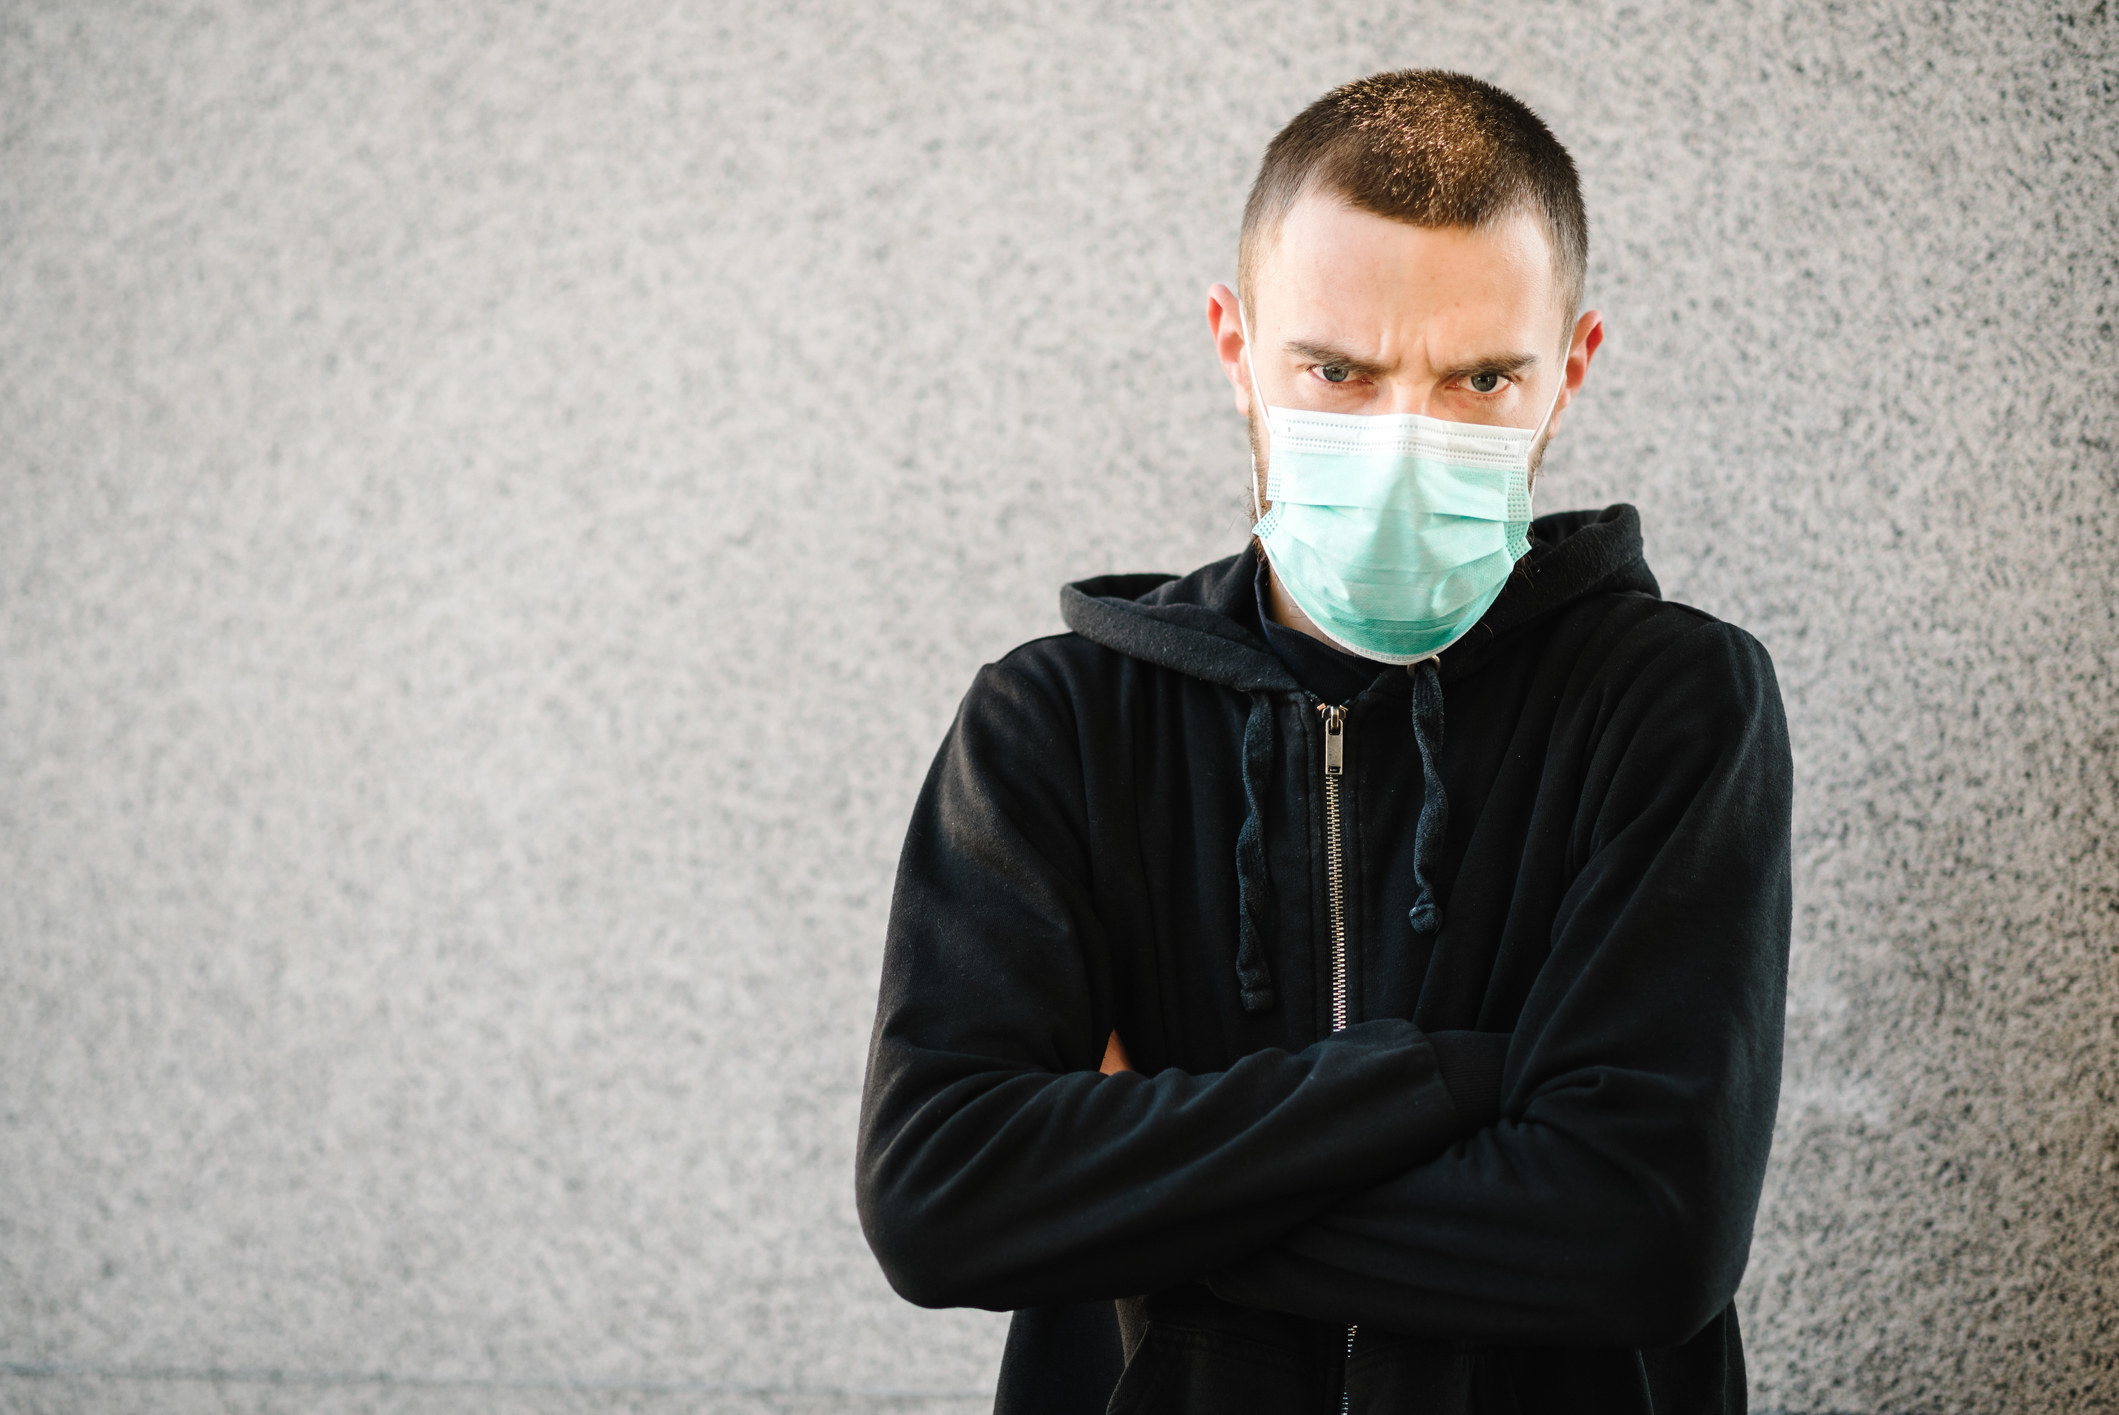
x=1335, y=874
x=1334, y=768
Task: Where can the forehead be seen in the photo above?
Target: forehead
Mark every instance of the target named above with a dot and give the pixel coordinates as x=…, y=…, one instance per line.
x=1355, y=270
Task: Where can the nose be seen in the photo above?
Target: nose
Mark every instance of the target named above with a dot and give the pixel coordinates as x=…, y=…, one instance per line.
x=1403, y=395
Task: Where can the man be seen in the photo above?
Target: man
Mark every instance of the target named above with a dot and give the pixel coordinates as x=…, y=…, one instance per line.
x=1349, y=977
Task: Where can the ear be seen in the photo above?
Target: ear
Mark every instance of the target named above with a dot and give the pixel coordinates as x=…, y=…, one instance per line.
x=1588, y=337
x=1226, y=325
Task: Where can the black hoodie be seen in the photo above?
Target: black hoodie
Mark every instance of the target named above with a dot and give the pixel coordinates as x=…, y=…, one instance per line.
x=1525, y=1169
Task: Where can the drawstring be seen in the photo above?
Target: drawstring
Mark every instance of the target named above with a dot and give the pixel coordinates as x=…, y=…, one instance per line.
x=1253, y=979
x=1426, y=914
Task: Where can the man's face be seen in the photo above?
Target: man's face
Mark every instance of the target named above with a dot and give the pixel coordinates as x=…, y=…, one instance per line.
x=1357, y=313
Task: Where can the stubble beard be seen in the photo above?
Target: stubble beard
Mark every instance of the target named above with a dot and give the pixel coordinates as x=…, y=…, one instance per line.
x=1258, y=462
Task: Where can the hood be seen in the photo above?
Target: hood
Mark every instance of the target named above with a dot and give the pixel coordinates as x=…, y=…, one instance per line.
x=1198, y=625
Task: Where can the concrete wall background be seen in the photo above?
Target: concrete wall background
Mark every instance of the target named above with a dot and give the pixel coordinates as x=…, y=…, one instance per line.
x=499, y=507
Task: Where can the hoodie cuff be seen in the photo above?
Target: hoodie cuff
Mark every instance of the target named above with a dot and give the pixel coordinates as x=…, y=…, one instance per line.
x=1470, y=1063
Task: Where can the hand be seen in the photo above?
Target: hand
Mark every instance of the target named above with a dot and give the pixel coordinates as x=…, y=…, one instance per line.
x=1115, y=1058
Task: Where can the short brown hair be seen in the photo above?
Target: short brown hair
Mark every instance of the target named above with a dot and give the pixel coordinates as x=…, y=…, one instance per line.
x=1430, y=148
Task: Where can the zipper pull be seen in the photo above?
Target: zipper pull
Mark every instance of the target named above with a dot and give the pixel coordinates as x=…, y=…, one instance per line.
x=1334, y=739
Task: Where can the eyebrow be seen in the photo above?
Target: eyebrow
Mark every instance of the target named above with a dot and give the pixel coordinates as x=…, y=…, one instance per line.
x=1326, y=354
x=1506, y=365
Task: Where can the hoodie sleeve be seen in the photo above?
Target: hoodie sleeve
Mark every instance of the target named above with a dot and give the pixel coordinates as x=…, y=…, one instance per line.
x=1613, y=1202
x=996, y=1167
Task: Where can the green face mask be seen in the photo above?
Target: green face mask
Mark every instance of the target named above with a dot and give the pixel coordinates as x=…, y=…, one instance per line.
x=1393, y=532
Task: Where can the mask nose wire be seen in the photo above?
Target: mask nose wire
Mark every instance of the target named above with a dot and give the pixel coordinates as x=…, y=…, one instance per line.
x=1265, y=414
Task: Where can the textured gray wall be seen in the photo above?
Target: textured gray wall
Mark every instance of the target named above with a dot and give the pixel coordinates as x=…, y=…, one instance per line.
x=499, y=508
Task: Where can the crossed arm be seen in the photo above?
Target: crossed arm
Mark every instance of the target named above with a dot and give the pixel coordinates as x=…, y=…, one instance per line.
x=1005, y=1164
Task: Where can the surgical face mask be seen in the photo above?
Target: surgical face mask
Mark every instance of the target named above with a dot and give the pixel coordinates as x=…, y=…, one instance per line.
x=1394, y=533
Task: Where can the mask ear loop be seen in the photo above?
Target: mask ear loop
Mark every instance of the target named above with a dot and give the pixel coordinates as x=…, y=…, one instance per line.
x=1550, y=409
x=1251, y=367
x=1553, y=405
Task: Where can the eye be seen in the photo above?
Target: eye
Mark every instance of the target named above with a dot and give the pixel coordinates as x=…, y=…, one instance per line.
x=1333, y=373
x=1486, y=382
